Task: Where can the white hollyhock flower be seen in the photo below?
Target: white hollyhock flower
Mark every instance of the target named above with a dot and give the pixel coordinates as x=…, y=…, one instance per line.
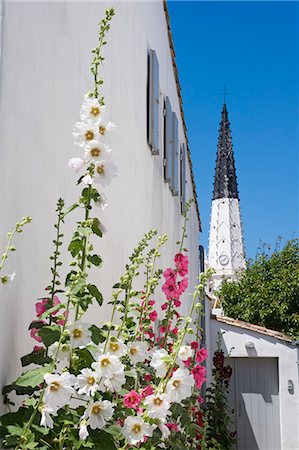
x=99, y=413
x=185, y=352
x=135, y=429
x=83, y=432
x=76, y=163
x=104, y=170
x=63, y=355
x=180, y=385
x=87, y=179
x=91, y=109
x=84, y=132
x=158, y=363
x=80, y=336
x=137, y=351
x=106, y=365
x=59, y=390
x=113, y=383
x=95, y=150
x=115, y=347
x=102, y=202
x=158, y=406
x=105, y=129
x=46, y=420
x=87, y=382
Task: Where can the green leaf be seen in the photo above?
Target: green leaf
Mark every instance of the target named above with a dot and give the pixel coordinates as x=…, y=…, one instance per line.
x=105, y=440
x=93, y=290
x=33, y=377
x=96, y=334
x=15, y=430
x=36, y=324
x=95, y=259
x=35, y=357
x=96, y=227
x=50, y=334
x=84, y=231
x=75, y=247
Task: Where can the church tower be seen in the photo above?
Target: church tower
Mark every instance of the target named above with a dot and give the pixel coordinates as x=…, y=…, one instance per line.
x=226, y=248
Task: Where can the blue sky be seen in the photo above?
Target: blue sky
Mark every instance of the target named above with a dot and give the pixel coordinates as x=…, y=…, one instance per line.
x=252, y=48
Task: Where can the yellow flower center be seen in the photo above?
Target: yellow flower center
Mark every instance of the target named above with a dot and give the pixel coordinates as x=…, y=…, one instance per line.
x=136, y=428
x=133, y=351
x=102, y=130
x=176, y=383
x=95, y=111
x=101, y=169
x=54, y=386
x=105, y=362
x=95, y=152
x=158, y=401
x=77, y=333
x=89, y=135
x=114, y=346
x=90, y=380
x=96, y=409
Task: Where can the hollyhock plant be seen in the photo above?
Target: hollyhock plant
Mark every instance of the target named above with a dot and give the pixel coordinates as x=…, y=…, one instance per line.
x=121, y=384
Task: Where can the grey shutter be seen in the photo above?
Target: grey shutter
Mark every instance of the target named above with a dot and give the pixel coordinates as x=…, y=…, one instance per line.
x=175, y=156
x=168, y=147
x=153, y=126
x=183, y=180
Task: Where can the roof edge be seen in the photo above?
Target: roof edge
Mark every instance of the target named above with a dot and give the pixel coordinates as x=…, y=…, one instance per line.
x=178, y=86
x=251, y=327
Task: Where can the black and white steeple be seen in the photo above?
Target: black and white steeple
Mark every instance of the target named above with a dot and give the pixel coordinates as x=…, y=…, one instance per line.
x=226, y=249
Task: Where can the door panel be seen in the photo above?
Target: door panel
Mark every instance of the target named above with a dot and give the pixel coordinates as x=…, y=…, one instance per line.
x=255, y=399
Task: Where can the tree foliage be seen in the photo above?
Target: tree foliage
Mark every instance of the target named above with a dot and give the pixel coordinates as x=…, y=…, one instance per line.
x=267, y=292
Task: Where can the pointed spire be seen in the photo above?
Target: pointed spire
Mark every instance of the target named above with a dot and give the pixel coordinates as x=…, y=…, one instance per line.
x=225, y=182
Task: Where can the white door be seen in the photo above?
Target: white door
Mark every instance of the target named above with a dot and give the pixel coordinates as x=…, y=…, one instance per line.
x=254, y=400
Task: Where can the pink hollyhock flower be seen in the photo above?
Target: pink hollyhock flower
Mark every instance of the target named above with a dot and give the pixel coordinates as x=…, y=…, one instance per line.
x=175, y=330
x=162, y=329
x=153, y=316
x=194, y=345
x=132, y=399
x=177, y=303
x=198, y=373
x=151, y=302
x=200, y=400
x=177, y=314
x=201, y=355
x=34, y=335
x=148, y=390
x=169, y=274
x=181, y=261
x=187, y=362
x=182, y=285
x=42, y=307
x=171, y=291
x=148, y=377
x=172, y=426
x=164, y=306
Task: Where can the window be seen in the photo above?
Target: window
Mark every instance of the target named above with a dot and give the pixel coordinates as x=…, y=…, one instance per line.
x=183, y=180
x=168, y=142
x=175, y=157
x=153, y=103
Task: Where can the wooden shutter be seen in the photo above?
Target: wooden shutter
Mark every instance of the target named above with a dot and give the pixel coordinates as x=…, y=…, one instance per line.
x=175, y=156
x=168, y=145
x=183, y=180
x=153, y=100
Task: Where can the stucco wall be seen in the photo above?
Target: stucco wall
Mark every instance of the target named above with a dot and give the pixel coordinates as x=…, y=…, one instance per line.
x=234, y=340
x=44, y=75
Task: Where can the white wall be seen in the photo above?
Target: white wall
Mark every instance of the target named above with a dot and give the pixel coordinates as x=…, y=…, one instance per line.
x=234, y=340
x=44, y=75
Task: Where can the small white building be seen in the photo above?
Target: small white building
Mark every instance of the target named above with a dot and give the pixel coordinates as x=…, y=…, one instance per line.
x=264, y=397
x=45, y=72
